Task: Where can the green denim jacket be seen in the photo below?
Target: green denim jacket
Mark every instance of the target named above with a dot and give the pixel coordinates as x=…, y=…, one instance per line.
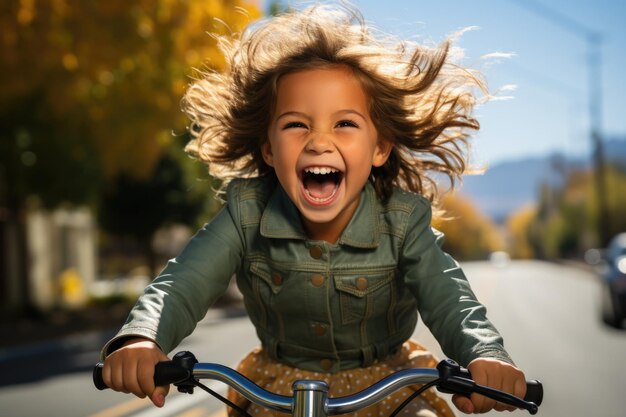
x=316, y=305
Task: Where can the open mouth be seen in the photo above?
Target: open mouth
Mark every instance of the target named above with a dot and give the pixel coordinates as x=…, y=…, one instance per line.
x=321, y=183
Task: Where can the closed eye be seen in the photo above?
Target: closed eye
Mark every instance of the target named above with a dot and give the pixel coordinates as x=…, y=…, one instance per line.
x=346, y=123
x=295, y=125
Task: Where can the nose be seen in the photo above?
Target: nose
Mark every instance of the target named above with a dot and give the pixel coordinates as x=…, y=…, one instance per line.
x=320, y=142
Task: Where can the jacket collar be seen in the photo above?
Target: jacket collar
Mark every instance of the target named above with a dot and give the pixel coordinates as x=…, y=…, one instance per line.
x=281, y=220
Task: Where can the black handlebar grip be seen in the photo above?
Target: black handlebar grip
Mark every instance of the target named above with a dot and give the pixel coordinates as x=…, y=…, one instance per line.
x=97, y=377
x=534, y=388
x=165, y=373
x=534, y=392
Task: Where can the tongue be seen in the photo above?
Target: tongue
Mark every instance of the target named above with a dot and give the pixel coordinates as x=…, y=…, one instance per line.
x=320, y=189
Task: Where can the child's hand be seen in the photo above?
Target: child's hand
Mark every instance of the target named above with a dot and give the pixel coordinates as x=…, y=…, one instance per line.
x=131, y=369
x=495, y=374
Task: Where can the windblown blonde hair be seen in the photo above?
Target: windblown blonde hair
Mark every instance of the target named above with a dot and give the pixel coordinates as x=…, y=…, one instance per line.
x=420, y=100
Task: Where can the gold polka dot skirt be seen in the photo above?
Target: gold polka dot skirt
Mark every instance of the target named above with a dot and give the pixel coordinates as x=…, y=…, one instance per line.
x=277, y=377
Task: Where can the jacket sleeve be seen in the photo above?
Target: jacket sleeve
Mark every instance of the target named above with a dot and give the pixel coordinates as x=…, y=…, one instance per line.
x=181, y=294
x=445, y=300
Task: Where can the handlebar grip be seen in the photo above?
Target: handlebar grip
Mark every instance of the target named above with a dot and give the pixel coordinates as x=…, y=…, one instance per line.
x=534, y=392
x=97, y=377
x=165, y=373
x=466, y=385
x=534, y=388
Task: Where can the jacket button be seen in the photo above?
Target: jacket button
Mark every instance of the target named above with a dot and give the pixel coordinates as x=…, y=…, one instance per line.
x=277, y=279
x=326, y=364
x=316, y=252
x=319, y=329
x=317, y=280
x=361, y=283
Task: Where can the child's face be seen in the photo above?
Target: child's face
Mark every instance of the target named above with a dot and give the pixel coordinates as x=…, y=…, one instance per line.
x=322, y=145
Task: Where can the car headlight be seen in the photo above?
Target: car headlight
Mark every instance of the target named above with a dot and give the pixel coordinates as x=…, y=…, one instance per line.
x=620, y=263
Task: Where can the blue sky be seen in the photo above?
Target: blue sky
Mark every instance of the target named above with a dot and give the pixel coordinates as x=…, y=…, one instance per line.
x=549, y=108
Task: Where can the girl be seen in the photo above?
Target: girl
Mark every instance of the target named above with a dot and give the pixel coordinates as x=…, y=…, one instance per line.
x=334, y=135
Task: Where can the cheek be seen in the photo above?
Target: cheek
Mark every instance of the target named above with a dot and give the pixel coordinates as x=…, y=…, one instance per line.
x=285, y=161
x=360, y=154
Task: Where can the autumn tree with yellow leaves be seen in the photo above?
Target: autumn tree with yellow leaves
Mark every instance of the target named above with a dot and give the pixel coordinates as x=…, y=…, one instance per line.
x=469, y=235
x=520, y=228
x=564, y=223
x=90, y=91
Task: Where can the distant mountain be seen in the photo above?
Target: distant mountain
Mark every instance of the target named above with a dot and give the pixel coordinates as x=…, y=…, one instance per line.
x=507, y=186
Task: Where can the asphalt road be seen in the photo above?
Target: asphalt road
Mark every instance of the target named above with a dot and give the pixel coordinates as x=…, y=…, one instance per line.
x=547, y=313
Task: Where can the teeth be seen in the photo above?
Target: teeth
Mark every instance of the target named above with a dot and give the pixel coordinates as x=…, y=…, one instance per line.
x=321, y=170
x=320, y=200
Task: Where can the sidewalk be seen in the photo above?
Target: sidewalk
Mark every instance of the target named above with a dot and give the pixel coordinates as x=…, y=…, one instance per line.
x=100, y=317
x=33, y=350
x=39, y=328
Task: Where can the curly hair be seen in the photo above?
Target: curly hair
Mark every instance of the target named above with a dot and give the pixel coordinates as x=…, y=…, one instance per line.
x=419, y=99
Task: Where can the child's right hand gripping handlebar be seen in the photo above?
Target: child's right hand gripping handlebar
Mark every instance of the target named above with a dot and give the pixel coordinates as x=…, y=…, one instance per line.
x=184, y=371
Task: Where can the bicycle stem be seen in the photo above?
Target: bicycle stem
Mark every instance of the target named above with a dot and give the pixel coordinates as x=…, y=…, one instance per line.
x=310, y=399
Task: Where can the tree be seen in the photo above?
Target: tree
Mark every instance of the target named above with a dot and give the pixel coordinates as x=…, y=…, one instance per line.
x=565, y=222
x=90, y=92
x=136, y=208
x=469, y=234
x=518, y=226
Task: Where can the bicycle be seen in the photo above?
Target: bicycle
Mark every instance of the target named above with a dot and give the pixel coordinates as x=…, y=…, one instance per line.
x=310, y=397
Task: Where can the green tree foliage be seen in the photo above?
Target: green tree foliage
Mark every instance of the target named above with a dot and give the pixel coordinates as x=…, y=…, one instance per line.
x=136, y=208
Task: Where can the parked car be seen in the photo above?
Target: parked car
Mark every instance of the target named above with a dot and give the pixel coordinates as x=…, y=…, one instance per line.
x=614, y=282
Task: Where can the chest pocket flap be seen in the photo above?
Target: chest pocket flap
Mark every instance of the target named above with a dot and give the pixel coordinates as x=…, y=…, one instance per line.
x=363, y=296
x=273, y=278
x=361, y=285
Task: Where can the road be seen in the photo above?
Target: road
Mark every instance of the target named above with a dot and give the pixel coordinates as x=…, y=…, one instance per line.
x=548, y=314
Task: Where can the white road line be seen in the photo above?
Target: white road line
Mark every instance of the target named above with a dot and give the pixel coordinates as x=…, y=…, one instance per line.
x=178, y=403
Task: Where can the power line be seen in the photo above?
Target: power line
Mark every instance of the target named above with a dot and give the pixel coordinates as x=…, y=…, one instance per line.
x=559, y=19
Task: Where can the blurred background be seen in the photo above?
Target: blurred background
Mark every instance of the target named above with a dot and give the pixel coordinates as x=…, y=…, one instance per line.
x=96, y=192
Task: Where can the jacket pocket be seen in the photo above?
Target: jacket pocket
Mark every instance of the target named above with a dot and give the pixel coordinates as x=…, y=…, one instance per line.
x=365, y=296
x=272, y=278
x=267, y=284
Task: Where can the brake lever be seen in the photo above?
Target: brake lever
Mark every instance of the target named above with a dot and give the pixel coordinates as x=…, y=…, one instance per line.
x=185, y=360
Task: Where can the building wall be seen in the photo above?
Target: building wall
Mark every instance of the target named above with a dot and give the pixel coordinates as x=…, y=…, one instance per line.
x=62, y=256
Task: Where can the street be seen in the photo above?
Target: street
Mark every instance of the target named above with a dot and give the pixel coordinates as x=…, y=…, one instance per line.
x=548, y=314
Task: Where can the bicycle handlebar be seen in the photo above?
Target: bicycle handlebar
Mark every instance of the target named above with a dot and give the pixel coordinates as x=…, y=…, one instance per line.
x=184, y=371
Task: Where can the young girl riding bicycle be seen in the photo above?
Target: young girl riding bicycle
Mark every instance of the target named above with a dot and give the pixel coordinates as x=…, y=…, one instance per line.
x=328, y=140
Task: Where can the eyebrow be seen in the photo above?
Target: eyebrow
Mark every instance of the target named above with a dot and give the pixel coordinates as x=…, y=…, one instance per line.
x=292, y=113
x=351, y=111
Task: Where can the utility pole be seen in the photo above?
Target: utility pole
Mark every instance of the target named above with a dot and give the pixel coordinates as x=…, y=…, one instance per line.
x=595, y=111
x=594, y=41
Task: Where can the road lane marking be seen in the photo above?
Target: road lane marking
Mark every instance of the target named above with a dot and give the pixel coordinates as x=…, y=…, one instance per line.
x=123, y=408
x=220, y=413
x=194, y=412
x=182, y=402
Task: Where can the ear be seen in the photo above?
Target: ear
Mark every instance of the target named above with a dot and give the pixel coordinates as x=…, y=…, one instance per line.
x=381, y=153
x=266, y=151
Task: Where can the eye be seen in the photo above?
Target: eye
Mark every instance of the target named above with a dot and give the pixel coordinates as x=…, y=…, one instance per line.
x=294, y=125
x=346, y=123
